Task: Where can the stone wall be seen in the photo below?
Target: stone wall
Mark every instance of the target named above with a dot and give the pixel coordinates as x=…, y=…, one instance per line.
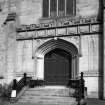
x=30, y=11
x=89, y=51
x=16, y=57
x=87, y=8
x=11, y=49
x=104, y=41
x=3, y=40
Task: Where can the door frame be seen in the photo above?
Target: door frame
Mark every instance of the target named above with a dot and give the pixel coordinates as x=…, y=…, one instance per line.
x=42, y=50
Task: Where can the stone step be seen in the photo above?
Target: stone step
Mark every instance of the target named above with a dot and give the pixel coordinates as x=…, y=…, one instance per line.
x=49, y=100
x=53, y=92
x=47, y=103
x=41, y=103
x=48, y=95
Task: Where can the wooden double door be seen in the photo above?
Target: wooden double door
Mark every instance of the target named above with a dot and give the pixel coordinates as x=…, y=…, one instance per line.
x=57, y=67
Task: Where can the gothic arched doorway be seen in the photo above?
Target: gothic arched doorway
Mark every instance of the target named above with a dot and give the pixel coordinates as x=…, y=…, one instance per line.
x=55, y=52
x=57, y=67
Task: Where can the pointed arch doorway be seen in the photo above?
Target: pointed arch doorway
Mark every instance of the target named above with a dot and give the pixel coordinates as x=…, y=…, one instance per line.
x=57, y=67
x=56, y=62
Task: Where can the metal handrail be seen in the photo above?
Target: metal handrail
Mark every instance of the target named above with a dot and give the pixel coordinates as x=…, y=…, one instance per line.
x=79, y=86
x=18, y=87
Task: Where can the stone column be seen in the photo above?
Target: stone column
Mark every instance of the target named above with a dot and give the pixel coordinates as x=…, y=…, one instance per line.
x=102, y=53
x=40, y=68
x=103, y=12
x=35, y=67
x=10, y=28
x=73, y=70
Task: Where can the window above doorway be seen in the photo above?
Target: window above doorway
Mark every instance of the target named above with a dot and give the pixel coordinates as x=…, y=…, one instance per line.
x=58, y=8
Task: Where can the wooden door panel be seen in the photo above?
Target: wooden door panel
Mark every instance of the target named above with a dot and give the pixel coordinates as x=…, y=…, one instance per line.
x=57, y=70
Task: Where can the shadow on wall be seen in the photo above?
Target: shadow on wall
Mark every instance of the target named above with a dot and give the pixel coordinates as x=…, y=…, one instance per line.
x=101, y=52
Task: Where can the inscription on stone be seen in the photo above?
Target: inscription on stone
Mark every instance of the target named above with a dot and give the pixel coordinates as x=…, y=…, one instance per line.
x=58, y=23
x=59, y=28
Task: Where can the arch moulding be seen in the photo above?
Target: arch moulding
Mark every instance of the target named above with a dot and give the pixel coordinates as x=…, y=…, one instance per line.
x=51, y=45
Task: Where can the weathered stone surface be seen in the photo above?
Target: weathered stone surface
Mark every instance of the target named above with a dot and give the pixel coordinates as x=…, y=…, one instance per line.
x=17, y=57
x=87, y=8
x=48, y=96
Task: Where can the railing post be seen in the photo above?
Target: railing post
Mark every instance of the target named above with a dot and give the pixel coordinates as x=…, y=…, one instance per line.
x=80, y=90
x=25, y=79
x=14, y=86
x=78, y=93
x=14, y=89
x=82, y=85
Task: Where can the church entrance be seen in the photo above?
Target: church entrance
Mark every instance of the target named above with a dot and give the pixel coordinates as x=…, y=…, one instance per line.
x=56, y=62
x=57, y=67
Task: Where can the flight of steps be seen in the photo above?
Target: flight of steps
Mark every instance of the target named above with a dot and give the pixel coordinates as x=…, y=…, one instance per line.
x=48, y=95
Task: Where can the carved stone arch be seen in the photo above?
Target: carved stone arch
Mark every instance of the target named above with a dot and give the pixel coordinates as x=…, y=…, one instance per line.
x=51, y=45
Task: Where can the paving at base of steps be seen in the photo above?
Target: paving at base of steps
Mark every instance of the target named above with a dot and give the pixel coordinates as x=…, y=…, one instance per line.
x=89, y=102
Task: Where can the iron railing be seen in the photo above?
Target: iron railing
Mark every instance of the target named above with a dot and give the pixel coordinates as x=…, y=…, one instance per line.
x=79, y=86
x=18, y=86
